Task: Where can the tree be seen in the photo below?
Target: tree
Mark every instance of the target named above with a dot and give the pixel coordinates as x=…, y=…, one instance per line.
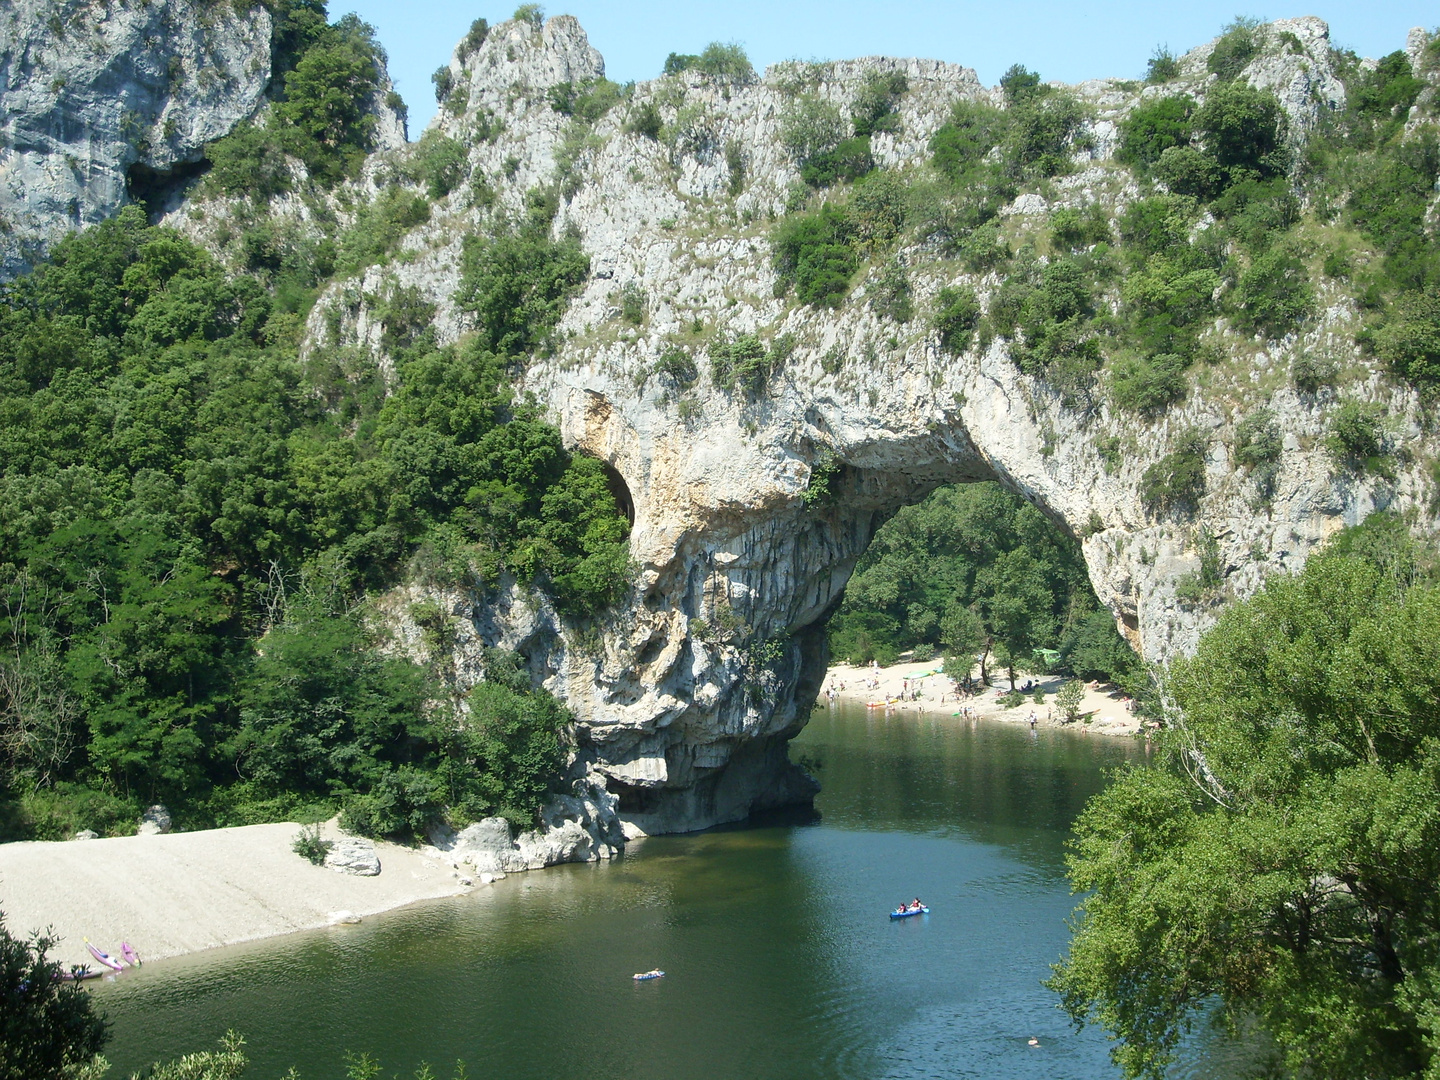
x=47, y=1026
x=1282, y=868
x=1068, y=700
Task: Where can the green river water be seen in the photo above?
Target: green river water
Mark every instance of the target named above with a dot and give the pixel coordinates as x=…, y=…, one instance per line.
x=781, y=959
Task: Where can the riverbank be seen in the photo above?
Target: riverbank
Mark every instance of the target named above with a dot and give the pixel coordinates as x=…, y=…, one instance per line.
x=185, y=892
x=1104, y=709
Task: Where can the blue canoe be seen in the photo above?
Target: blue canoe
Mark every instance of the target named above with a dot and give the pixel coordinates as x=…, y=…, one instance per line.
x=905, y=913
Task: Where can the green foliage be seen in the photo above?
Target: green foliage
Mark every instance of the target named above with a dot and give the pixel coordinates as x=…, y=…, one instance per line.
x=810, y=127
x=815, y=253
x=1020, y=85
x=325, y=99
x=678, y=367
x=1148, y=385
x=957, y=310
x=514, y=739
x=971, y=568
x=1239, y=43
x=735, y=166
x=1273, y=294
x=329, y=74
x=1044, y=133
x=1204, y=583
x=47, y=1027
x=1052, y=308
x=1409, y=341
x=379, y=227
x=1177, y=480
x=440, y=163
x=848, y=161
x=1162, y=67
x=474, y=37
x=722, y=61
x=875, y=105
x=587, y=101
x=823, y=488
x=1356, y=438
x=645, y=120
x=1068, y=699
x=891, y=294
x=1279, y=867
x=632, y=303
x=744, y=361
x=1075, y=230
x=309, y=845
x=177, y=485
x=1243, y=130
x=1155, y=126
x=249, y=161
x=518, y=283
x=227, y=1063
x=961, y=144
x=1257, y=447
x=534, y=14
x=1093, y=649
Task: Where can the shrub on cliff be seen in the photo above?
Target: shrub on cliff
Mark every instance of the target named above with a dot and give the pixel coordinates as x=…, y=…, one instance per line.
x=1154, y=127
x=1273, y=294
x=1148, y=385
x=1238, y=44
x=518, y=283
x=720, y=60
x=957, y=310
x=1177, y=480
x=815, y=253
x=324, y=78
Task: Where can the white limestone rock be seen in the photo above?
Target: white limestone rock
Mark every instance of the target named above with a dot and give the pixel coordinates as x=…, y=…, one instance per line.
x=154, y=822
x=90, y=90
x=353, y=855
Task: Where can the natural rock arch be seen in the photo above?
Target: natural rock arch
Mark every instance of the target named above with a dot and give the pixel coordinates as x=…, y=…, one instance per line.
x=687, y=697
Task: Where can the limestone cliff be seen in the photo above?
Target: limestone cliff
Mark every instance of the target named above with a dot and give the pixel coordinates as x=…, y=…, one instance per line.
x=91, y=90
x=687, y=699
x=103, y=103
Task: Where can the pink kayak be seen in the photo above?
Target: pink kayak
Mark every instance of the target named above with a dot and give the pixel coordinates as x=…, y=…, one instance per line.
x=128, y=952
x=104, y=957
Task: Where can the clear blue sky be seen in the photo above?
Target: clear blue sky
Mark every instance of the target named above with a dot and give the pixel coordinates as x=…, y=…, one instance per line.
x=1069, y=41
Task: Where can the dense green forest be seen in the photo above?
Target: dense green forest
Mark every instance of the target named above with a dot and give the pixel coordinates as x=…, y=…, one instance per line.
x=975, y=570
x=191, y=517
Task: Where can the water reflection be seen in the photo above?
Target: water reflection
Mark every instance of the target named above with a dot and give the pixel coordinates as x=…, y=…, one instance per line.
x=781, y=961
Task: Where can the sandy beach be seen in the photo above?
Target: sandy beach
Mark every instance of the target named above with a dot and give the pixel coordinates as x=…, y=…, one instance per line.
x=1104, y=708
x=184, y=892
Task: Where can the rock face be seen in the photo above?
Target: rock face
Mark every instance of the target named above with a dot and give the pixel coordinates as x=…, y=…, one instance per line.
x=154, y=822
x=573, y=828
x=699, y=681
x=94, y=94
x=353, y=855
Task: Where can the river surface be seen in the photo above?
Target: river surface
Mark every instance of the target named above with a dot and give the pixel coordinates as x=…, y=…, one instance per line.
x=781, y=961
